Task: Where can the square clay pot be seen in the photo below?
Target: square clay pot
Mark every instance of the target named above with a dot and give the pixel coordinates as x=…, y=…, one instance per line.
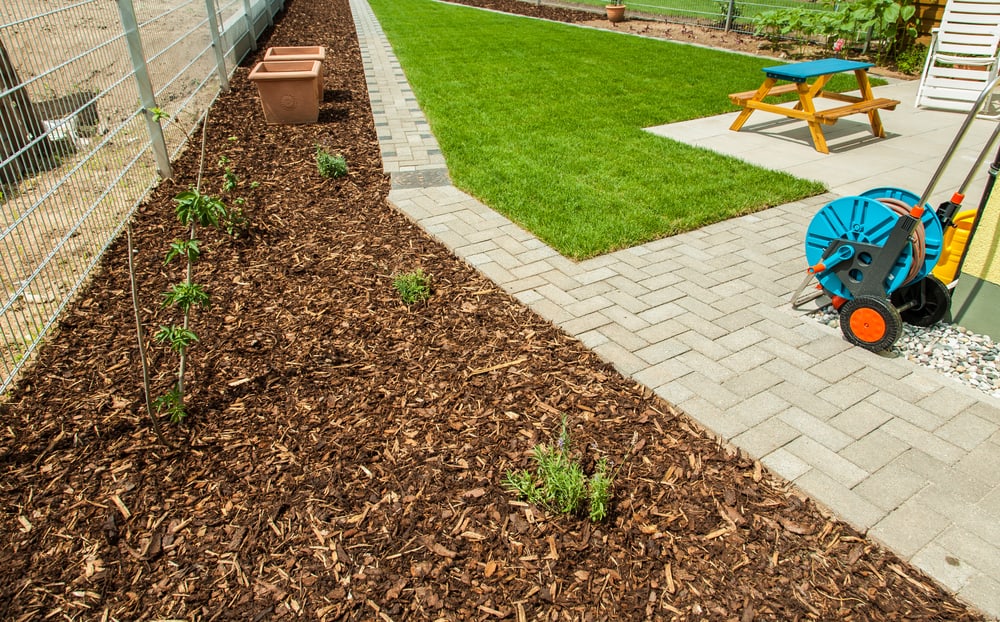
x=300, y=52
x=288, y=90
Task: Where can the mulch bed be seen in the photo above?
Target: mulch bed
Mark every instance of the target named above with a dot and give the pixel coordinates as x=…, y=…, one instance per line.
x=344, y=454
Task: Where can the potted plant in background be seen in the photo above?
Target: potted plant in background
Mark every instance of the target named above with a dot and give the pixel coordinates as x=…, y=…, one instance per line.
x=616, y=11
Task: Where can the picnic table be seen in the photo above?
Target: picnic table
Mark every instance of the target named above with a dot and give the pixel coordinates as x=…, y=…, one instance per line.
x=798, y=76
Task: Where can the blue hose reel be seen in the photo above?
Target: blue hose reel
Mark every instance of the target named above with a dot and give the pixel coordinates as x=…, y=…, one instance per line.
x=874, y=259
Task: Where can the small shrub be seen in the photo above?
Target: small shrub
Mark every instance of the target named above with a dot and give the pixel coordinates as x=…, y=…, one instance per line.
x=330, y=165
x=413, y=286
x=911, y=60
x=559, y=483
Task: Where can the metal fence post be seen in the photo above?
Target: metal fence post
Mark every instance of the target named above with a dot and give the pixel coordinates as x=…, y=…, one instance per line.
x=146, y=94
x=729, y=15
x=220, y=57
x=251, y=29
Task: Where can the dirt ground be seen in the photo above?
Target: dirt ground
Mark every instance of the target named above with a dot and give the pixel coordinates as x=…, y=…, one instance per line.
x=344, y=454
x=647, y=25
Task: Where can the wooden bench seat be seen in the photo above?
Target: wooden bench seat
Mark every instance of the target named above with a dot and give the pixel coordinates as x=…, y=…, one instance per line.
x=831, y=115
x=740, y=99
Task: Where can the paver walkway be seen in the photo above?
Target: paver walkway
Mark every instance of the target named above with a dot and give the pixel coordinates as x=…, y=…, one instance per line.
x=702, y=318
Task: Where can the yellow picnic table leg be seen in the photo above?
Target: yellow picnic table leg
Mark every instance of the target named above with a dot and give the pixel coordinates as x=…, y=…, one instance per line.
x=806, y=99
x=747, y=111
x=866, y=95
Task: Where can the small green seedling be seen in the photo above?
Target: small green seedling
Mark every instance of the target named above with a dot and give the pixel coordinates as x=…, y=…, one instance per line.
x=559, y=483
x=330, y=165
x=413, y=286
x=159, y=114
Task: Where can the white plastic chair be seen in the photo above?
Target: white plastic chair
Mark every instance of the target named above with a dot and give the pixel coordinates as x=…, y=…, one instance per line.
x=963, y=56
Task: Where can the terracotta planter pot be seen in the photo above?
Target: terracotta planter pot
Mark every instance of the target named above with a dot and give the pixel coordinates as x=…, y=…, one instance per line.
x=300, y=52
x=616, y=13
x=287, y=90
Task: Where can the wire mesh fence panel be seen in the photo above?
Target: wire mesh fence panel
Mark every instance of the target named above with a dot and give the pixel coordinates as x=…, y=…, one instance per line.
x=94, y=94
x=721, y=14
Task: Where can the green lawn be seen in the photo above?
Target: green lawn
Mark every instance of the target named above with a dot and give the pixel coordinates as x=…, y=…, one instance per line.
x=543, y=122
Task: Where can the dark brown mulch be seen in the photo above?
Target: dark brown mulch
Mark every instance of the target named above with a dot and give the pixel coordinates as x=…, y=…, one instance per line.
x=344, y=454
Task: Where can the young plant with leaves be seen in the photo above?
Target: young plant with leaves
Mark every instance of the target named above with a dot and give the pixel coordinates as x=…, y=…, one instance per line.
x=193, y=209
x=559, y=484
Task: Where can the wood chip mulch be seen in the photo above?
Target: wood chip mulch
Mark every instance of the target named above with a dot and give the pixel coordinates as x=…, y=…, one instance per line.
x=345, y=453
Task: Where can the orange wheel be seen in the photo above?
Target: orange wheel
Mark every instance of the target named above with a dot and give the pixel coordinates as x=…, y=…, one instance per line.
x=870, y=322
x=868, y=325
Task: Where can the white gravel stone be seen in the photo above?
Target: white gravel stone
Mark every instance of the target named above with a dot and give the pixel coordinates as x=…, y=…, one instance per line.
x=949, y=349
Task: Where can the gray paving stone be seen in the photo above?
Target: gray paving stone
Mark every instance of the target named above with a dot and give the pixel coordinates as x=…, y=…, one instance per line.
x=705, y=346
x=836, y=367
x=966, y=430
x=701, y=325
x=622, y=359
x=816, y=429
x=712, y=417
x=972, y=550
x=751, y=382
x=847, y=392
x=626, y=301
x=662, y=312
x=984, y=591
x=943, y=566
x=975, y=520
x=586, y=306
x=852, y=507
x=675, y=393
x=785, y=464
x=793, y=374
x=923, y=440
x=624, y=337
x=860, y=419
x=969, y=487
x=736, y=320
x=662, y=373
x=714, y=373
x=662, y=295
x=984, y=461
x=708, y=389
x=662, y=350
x=792, y=356
x=807, y=401
x=758, y=409
x=591, y=339
x=905, y=410
x=661, y=330
x=761, y=440
x=909, y=528
x=622, y=317
x=746, y=359
x=741, y=338
x=579, y=325
x=828, y=462
x=875, y=450
x=891, y=486
x=945, y=403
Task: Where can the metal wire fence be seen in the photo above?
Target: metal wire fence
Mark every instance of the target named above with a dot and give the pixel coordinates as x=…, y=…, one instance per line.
x=96, y=97
x=721, y=14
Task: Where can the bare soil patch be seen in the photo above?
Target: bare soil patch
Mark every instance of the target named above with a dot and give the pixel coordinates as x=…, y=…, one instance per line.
x=344, y=455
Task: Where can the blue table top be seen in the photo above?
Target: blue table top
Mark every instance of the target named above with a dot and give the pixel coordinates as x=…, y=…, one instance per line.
x=798, y=72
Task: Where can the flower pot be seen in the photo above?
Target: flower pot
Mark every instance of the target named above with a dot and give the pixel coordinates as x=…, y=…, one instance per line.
x=287, y=90
x=616, y=13
x=300, y=52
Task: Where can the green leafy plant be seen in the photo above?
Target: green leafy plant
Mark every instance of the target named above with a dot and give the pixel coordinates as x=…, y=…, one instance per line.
x=559, y=483
x=330, y=165
x=159, y=114
x=413, y=286
x=911, y=60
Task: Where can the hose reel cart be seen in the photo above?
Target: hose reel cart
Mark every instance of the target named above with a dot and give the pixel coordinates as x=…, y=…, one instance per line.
x=873, y=254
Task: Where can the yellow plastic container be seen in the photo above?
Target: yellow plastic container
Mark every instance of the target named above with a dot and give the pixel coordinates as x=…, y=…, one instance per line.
x=955, y=240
